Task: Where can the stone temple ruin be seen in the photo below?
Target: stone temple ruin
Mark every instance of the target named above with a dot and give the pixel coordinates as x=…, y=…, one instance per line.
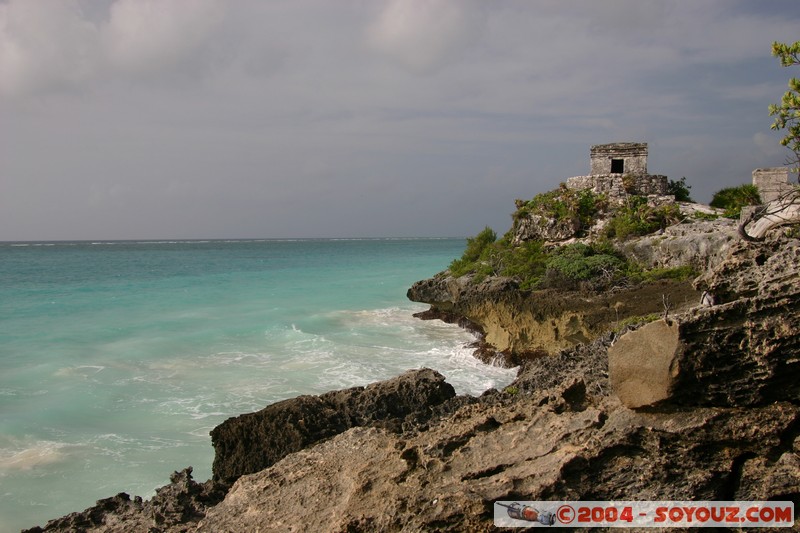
x=781, y=204
x=620, y=169
x=772, y=183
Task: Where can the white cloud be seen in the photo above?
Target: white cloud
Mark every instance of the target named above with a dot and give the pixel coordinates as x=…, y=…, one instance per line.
x=334, y=97
x=149, y=35
x=45, y=44
x=423, y=35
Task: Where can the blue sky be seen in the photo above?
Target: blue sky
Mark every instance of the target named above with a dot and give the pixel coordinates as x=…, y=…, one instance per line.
x=126, y=119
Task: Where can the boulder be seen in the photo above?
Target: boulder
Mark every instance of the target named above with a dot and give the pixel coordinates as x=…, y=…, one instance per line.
x=254, y=441
x=643, y=364
x=743, y=352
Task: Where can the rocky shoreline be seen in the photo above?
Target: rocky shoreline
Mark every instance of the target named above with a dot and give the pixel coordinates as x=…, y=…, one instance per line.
x=643, y=392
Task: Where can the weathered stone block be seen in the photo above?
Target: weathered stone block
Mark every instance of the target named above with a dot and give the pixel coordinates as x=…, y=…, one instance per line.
x=619, y=158
x=615, y=186
x=771, y=182
x=742, y=353
x=642, y=365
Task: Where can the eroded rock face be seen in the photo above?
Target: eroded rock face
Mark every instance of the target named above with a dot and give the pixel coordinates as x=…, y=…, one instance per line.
x=744, y=352
x=643, y=364
x=558, y=435
x=182, y=502
x=767, y=269
x=254, y=441
x=538, y=227
x=699, y=244
x=546, y=321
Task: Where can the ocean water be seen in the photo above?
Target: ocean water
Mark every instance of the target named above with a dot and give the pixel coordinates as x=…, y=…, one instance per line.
x=118, y=358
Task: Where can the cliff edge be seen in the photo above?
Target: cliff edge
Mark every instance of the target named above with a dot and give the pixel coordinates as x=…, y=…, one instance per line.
x=647, y=392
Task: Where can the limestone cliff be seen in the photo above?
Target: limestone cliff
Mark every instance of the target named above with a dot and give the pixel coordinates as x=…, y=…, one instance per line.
x=728, y=427
x=742, y=352
x=519, y=324
x=703, y=404
x=714, y=415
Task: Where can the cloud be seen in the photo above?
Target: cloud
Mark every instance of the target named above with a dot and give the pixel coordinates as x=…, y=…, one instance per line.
x=444, y=103
x=424, y=35
x=149, y=35
x=48, y=45
x=44, y=44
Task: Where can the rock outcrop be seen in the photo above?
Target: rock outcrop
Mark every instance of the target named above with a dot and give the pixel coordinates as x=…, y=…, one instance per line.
x=701, y=244
x=701, y=405
x=556, y=433
x=520, y=324
x=538, y=227
x=175, y=507
x=743, y=352
x=252, y=442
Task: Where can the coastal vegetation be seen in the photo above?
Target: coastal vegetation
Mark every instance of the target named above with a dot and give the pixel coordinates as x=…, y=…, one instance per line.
x=636, y=218
x=732, y=199
x=787, y=113
x=593, y=265
x=564, y=204
x=680, y=190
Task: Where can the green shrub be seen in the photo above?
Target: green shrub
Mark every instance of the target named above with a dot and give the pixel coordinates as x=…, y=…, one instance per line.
x=477, y=248
x=576, y=266
x=705, y=216
x=679, y=190
x=525, y=262
x=732, y=199
x=636, y=320
x=638, y=218
x=478, y=244
x=629, y=183
x=573, y=264
x=681, y=273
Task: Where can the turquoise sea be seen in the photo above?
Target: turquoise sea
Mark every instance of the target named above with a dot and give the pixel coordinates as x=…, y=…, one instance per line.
x=118, y=358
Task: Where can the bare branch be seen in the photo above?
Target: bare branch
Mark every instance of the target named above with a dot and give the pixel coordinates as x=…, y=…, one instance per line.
x=667, y=305
x=783, y=211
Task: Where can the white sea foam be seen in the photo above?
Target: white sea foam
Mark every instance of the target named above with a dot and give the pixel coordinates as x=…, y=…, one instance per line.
x=85, y=371
x=37, y=454
x=375, y=344
x=152, y=346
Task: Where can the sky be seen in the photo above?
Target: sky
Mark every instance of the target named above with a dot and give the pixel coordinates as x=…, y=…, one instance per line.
x=163, y=119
